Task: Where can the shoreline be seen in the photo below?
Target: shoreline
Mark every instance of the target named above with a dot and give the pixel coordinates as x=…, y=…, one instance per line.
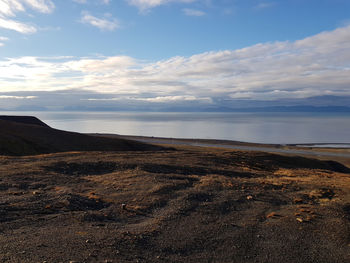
x=294, y=149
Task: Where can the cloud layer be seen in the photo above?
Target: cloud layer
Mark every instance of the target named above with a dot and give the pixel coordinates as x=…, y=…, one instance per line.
x=317, y=65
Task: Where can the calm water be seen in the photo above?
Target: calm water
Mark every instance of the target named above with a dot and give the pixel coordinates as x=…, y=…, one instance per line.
x=248, y=127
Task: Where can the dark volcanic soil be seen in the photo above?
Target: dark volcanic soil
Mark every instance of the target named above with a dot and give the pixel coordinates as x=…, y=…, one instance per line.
x=188, y=205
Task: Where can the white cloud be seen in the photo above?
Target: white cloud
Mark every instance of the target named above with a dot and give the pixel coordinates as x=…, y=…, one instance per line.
x=103, y=65
x=193, y=12
x=17, y=26
x=42, y=6
x=101, y=23
x=17, y=97
x=9, y=8
x=2, y=39
x=317, y=65
x=105, y=2
x=167, y=99
x=144, y=5
x=264, y=5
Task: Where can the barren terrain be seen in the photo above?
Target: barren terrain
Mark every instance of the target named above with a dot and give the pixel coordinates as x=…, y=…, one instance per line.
x=190, y=204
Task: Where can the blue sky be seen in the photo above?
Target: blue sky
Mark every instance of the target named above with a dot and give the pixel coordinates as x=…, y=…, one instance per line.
x=160, y=51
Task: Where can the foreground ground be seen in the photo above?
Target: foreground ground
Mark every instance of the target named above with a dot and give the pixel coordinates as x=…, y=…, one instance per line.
x=185, y=205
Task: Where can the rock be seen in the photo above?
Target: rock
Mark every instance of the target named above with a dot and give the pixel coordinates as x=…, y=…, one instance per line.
x=273, y=214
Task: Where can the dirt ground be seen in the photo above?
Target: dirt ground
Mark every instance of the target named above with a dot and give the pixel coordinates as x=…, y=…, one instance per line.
x=186, y=205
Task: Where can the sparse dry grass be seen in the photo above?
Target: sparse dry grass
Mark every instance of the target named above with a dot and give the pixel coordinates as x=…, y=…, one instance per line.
x=189, y=205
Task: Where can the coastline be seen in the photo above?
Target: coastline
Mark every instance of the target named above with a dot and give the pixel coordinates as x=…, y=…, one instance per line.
x=289, y=149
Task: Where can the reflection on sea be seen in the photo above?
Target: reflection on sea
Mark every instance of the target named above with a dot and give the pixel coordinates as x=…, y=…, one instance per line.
x=283, y=128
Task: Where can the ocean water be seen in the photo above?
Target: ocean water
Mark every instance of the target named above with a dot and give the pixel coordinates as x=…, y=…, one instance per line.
x=283, y=128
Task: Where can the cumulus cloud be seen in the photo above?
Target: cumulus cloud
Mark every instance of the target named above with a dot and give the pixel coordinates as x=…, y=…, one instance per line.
x=193, y=12
x=144, y=5
x=9, y=9
x=102, y=23
x=317, y=65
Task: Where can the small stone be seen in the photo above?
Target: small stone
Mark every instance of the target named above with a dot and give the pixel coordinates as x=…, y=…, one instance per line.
x=249, y=197
x=124, y=206
x=299, y=219
x=87, y=241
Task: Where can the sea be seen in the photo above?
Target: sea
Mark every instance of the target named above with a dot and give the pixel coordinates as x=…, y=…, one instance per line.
x=276, y=128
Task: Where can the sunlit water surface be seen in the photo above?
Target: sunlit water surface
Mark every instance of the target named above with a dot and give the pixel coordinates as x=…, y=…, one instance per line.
x=249, y=127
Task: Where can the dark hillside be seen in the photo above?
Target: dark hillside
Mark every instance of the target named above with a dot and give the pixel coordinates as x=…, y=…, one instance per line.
x=23, y=138
x=24, y=120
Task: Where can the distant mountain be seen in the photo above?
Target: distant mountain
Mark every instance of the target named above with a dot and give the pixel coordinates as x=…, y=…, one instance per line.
x=312, y=104
x=91, y=101
x=29, y=136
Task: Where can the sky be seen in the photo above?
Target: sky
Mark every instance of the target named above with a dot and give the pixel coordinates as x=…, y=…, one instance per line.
x=130, y=53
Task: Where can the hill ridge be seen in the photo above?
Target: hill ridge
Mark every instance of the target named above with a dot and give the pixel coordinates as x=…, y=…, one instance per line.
x=31, y=136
